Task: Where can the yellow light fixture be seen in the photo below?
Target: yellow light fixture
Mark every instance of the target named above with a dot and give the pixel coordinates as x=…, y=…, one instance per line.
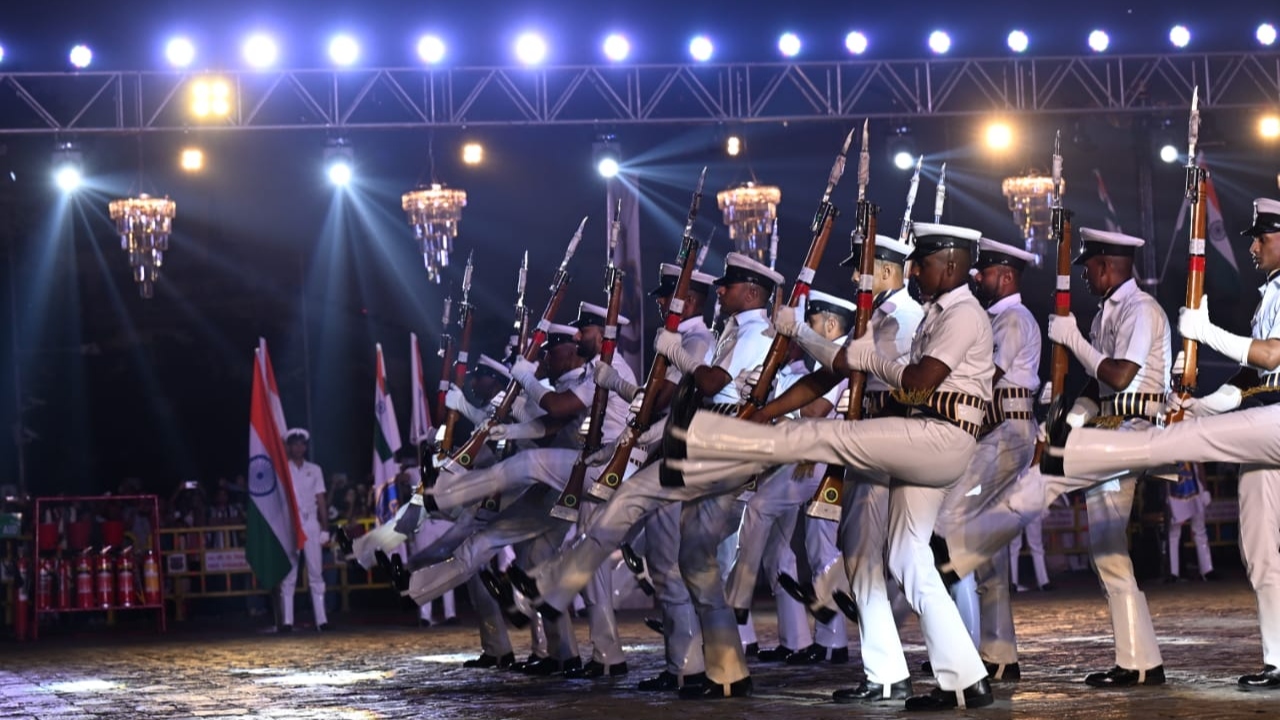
x=1269, y=127
x=733, y=145
x=144, y=224
x=192, y=160
x=210, y=97
x=999, y=136
x=473, y=153
x=434, y=212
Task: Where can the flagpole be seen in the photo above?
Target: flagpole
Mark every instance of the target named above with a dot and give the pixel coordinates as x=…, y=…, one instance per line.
x=306, y=345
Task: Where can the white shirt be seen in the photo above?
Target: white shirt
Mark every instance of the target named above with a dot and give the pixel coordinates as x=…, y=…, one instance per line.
x=1131, y=326
x=743, y=345
x=695, y=339
x=582, y=383
x=1016, y=337
x=893, y=325
x=1266, y=319
x=308, y=482
x=956, y=333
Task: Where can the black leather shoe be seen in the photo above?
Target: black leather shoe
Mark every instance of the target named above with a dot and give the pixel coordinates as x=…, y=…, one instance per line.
x=326, y=627
x=873, y=692
x=285, y=629
x=1122, y=677
x=344, y=542
x=593, y=670
x=1047, y=587
x=811, y=655
x=839, y=656
x=520, y=666
x=500, y=588
x=847, y=605
x=521, y=581
x=975, y=696
x=751, y=649
x=1056, y=427
x=1268, y=679
x=777, y=654
x=484, y=662
x=804, y=594
x=399, y=576
x=655, y=625
x=662, y=682
x=634, y=562
x=1006, y=673
x=742, y=615
x=384, y=562
x=550, y=666
x=1211, y=576
x=716, y=691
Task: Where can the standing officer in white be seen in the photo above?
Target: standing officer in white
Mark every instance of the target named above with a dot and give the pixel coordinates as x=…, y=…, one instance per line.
x=309, y=496
x=947, y=385
x=1247, y=436
x=1004, y=452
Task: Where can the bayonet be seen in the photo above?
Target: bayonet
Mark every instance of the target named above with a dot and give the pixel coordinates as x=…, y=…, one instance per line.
x=911, y=200
x=940, y=198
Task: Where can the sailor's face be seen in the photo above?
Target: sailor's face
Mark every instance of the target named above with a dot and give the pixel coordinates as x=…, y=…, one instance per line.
x=1265, y=251
x=1095, y=272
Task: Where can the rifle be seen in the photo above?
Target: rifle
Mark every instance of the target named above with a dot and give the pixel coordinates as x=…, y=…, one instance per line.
x=465, y=316
x=1060, y=231
x=1197, y=196
x=823, y=220
x=614, y=471
x=566, y=507
x=466, y=455
x=911, y=201
x=828, y=499
x=446, y=355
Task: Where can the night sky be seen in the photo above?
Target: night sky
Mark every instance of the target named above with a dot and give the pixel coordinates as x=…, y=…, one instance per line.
x=116, y=386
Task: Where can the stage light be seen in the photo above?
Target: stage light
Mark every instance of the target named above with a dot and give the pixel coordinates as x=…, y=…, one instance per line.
x=1179, y=36
x=616, y=47
x=191, y=160
x=902, y=148
x=1018, y=41
x=1269, y=127
x=431, y=49
x=473, y=153
x=339, y=161
x=531, y=49
x=789, y=44
x=81, y=56
x=210, y=97
x=999, y=136
x=260, y=51
x=1169, y=153
x=1266, y=34
x=67, y=170
x=1099, y=41
x=701, y=49
x=939, y=42
x=1, y=53
x=855, y=42
x=606, y=155
x=180, y=52
x=344, y=50
x=607, y=167
x=733, y=145
x=903, y=160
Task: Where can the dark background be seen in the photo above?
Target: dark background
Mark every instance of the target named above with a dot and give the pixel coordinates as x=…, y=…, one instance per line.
x=116, y=386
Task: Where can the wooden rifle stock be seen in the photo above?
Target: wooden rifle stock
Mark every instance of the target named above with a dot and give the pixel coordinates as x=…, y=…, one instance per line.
x=1197, y=181
x=828, y=499
x=459, y=374
x=1059, y=361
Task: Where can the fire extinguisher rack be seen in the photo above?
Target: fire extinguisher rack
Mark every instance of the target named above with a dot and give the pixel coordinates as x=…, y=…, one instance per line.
x=108, y=600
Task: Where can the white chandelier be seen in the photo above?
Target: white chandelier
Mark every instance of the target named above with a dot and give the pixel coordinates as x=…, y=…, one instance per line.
x=1031, y=199
x=434, y=212
x=144, y=224
x=749, y=211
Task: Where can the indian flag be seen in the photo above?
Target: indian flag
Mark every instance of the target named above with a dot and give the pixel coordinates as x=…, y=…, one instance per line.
x=274, y=530
x=386, y=442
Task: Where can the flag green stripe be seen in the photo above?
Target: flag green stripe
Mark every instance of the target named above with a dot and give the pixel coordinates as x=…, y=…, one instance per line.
x=263, y=550
x=380, y=445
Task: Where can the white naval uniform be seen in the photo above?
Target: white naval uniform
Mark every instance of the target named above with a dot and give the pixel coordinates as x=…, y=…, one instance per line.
x=682, y=635
x=1189, y=508
x=308, y=482
x=923, y=455
x=1129, y=326
x=704, y=519
x=1003, y=455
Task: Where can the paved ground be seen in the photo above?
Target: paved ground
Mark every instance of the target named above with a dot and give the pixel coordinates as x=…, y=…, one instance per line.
x=373, y=670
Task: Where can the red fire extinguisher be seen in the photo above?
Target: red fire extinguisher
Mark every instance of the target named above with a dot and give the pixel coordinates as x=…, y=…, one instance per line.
x=64, y=583
x=84, y=582
x=44, y=583
x=150, y=579
x=22, y=606
x=125, y=590
x=105, y=588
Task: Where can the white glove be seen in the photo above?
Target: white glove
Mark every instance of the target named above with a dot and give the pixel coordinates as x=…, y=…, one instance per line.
x=842, y=404
x=454, y=399
x=1179, y=363
x=1065, y=332
x=525, y=373
x=651, y=435
x=324, y=537
x=518, y=431
x=608, y=377
x=1195, y=325
x=1084, y=410
x=822, y=350
x=636, y=402
x=668, y=343
x=788, y=320
x=1225, y=399
x=1046, y=393
x=861, y=354
x=475, y=414
x=1042, y=434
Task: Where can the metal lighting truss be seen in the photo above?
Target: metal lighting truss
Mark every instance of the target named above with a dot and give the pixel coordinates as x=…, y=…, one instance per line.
x=386, y=98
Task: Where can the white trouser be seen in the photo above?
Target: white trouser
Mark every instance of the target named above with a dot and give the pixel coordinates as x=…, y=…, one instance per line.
x=725, y=555
x=311, y=553
x=1259, y=491
x=930, y=454
x=494, y=639
x=549, y=466
x=704, y=524
x=682, y=635
x=1183, y=511
x=1035, y=547
x=561, y=642
x=827, y=567
x=769, y=518
x=430, y=530
x=1001, y=457
x=864, y=539
x=634, y=500
x=793, y=617
x=602, y=623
